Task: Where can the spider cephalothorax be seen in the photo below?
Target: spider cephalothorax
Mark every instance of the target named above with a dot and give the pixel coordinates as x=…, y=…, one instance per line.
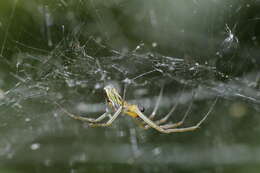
x=115, y=101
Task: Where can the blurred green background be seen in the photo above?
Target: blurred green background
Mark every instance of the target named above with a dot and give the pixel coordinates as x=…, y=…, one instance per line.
x=68, y=50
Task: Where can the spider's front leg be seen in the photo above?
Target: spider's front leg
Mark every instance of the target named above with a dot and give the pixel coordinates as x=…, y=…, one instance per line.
x=174, y=130
x=163, y=120
x=156, y=105
x=171, y=125
x=153, y=114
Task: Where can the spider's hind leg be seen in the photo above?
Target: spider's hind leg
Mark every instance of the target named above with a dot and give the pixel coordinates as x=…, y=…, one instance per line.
x=85, y=119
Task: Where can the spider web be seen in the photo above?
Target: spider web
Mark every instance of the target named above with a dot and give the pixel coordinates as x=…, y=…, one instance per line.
x=74, y=69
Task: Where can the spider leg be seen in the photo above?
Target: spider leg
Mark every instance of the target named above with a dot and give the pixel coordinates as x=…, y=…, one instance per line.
x=110, y=121
x=85, y=119
x=174, y=130
x=163, y=120
x=150, y=122
x=157, y=104
x=173, y=125
x=166, y=126
x=186, y=129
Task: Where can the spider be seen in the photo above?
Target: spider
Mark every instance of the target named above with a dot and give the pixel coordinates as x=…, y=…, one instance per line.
x=118, y=105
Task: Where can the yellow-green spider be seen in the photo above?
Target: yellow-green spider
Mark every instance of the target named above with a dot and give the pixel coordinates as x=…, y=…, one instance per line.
x=119, y=106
